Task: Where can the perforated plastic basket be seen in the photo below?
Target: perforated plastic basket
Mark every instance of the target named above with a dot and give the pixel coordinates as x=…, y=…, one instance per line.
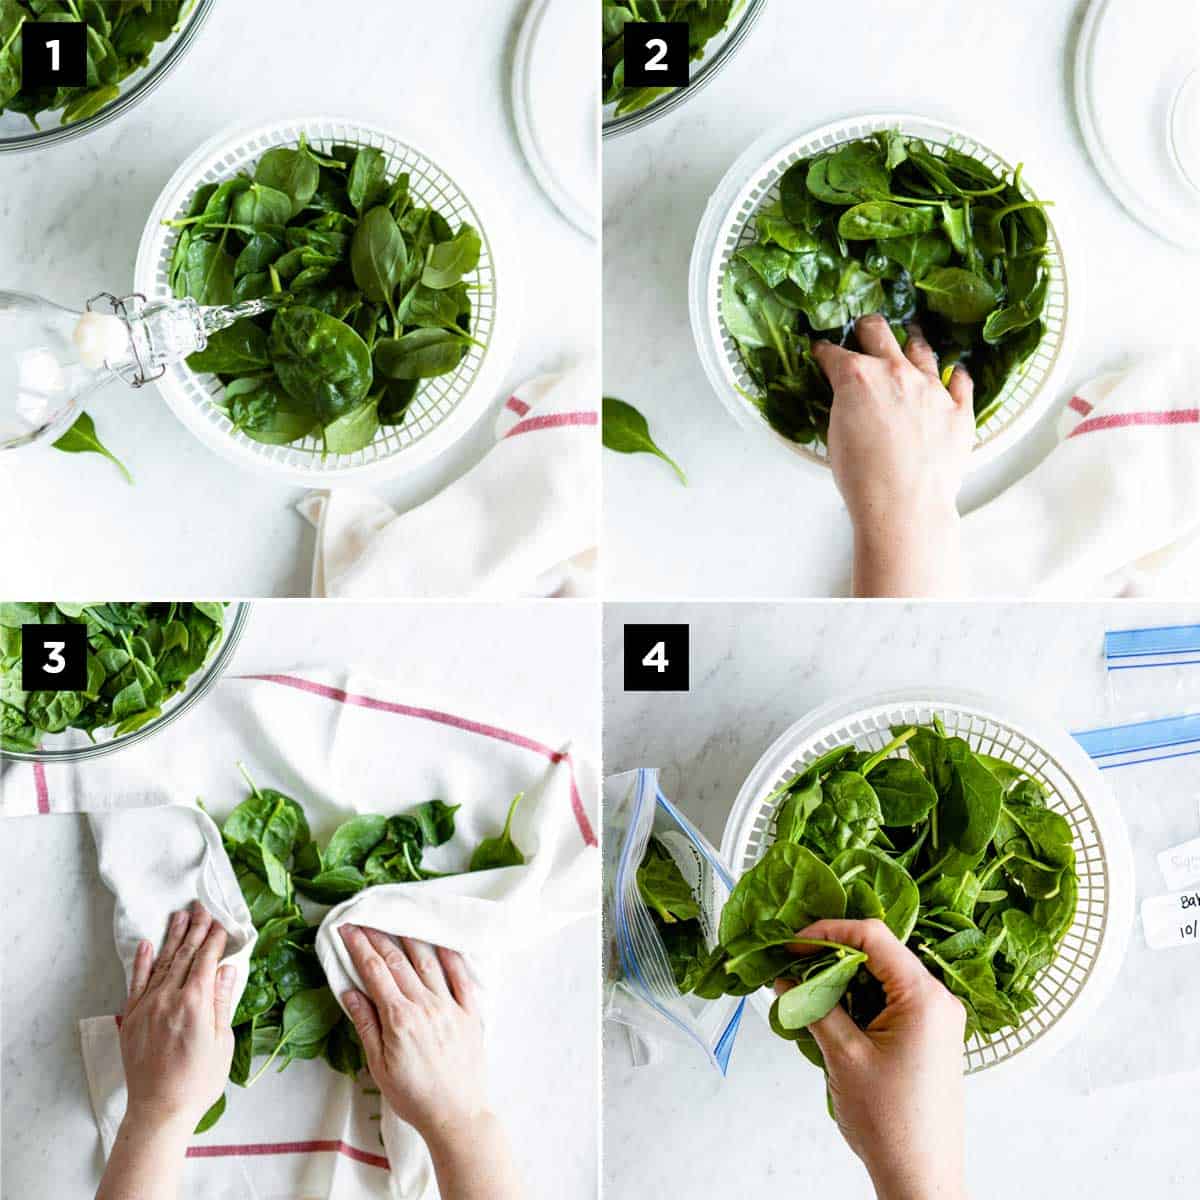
x=1071, y=988
x=752, y=183
x=446, y=406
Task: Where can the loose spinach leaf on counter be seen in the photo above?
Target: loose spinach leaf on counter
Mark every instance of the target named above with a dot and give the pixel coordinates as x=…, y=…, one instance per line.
x=287, y=1010
x=958, y=853
x=886, y=225
x=121, y=36
x=82, y=438
x=139, y=656
x=377, y=289
x=626, y=431
x=705, y=19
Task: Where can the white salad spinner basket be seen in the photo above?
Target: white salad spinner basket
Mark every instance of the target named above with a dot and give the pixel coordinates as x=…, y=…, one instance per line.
x=445, y=407
x=752, y=183
x=1090, y=954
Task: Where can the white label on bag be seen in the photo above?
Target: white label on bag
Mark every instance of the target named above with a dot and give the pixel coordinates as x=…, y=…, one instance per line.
x=1181, y=865
x=1174, y=920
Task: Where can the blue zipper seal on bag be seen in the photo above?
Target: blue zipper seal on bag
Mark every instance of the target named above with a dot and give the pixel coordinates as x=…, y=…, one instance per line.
x=1156, y=642
x=724, y=1047
x=1144, y=739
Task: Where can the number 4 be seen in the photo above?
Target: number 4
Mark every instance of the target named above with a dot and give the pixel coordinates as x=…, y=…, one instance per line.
x=657, y=658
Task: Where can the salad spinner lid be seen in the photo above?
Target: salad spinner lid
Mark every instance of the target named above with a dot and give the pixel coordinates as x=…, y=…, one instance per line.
x=1137, y=91
x=555, y=107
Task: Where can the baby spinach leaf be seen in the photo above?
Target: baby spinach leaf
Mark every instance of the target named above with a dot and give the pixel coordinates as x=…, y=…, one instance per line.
x=499, y=851
x=626, y=431
x=962, y=296
x=663, y=886
x=82, y=438
x=320, y=361
x=450, y=262
x=213, y=1115
x=378, y=255
x=817, y=994
x=421, y=354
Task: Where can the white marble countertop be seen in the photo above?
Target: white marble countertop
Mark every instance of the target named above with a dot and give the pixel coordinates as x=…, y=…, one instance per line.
x=58, y=961
x=70, y=221
x=673, y=1128
x=753, y=523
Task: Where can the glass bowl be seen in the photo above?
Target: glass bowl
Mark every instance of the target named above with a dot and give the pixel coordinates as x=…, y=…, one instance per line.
x=716, y=54
x=73, y=745
x=16, y=132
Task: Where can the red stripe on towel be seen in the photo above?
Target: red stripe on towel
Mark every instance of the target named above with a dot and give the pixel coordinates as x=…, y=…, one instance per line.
x=1081, y=406
x=1178, y=416
x=270, y=1148
x=39, y=785
x=441, y=718
x=553, y=421
x=517, y=406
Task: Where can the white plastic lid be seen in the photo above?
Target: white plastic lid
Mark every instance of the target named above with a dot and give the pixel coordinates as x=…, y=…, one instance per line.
x=1137, y=89
x=555, y=106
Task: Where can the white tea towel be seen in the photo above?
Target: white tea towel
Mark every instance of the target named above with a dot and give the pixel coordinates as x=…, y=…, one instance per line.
x=1115, y=508
x=339, y=746
x=523, y=522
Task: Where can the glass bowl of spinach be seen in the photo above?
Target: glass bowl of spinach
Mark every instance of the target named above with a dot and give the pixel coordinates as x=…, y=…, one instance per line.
x=148, y=663
x=132, y=45
x=394, y=327
x=717, y=27
x=886, y=213
x=984, y=830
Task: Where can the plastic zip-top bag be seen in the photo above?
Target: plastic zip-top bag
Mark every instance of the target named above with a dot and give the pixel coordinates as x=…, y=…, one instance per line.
x=1153, y=672
x=648, y=949
x=1146, y=1028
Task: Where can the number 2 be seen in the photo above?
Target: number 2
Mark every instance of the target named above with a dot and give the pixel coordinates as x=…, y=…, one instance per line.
x=53, y=47
x=657, y=658
x=658, y=59
x=55, y=663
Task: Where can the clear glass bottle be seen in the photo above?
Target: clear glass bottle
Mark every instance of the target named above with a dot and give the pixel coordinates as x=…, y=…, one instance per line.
x=53, y=358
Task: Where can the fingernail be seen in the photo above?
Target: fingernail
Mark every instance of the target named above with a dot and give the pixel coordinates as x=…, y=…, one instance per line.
x=350, y=1000
x=179, y=919
x=345, y=931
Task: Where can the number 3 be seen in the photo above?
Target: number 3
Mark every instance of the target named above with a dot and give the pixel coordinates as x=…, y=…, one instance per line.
x=657, y=658
x=658, y=59
x=55, y=663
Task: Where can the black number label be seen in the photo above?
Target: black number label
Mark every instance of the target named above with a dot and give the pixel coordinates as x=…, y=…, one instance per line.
x=54, y=658
x=657, y=658
x=53, y=54
x=656, y=54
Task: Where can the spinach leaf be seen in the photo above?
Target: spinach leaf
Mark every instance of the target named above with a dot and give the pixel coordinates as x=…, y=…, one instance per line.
x=82, y=438
x=499, y=851
x=331, y=236
x=626, y=431
x=886, y=225
x=961, y=854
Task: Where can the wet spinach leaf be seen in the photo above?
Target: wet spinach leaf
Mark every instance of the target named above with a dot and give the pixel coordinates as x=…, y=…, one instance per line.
x=626, y=431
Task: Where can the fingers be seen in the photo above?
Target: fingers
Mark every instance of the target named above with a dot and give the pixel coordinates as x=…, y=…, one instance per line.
x=176, y=928
x=397, y=963
x=962, y=388
x=427, y=965
x=462, y=985
x=197, y=931
x=919, y=352
x=888, y=959
x=372, y=970
x=366, y=1021
x=836, y=1034
x=876, y=338
x=139, y=977
x=204, y=965
x=837, y=362
x=223, y=997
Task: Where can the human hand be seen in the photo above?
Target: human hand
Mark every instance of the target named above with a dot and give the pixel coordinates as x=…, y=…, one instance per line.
x=421, y=1028
x=176, y=1036
x=899, y=444
x=897, y=1086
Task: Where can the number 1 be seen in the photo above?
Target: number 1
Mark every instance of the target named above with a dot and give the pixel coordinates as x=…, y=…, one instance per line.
x=53, y=48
